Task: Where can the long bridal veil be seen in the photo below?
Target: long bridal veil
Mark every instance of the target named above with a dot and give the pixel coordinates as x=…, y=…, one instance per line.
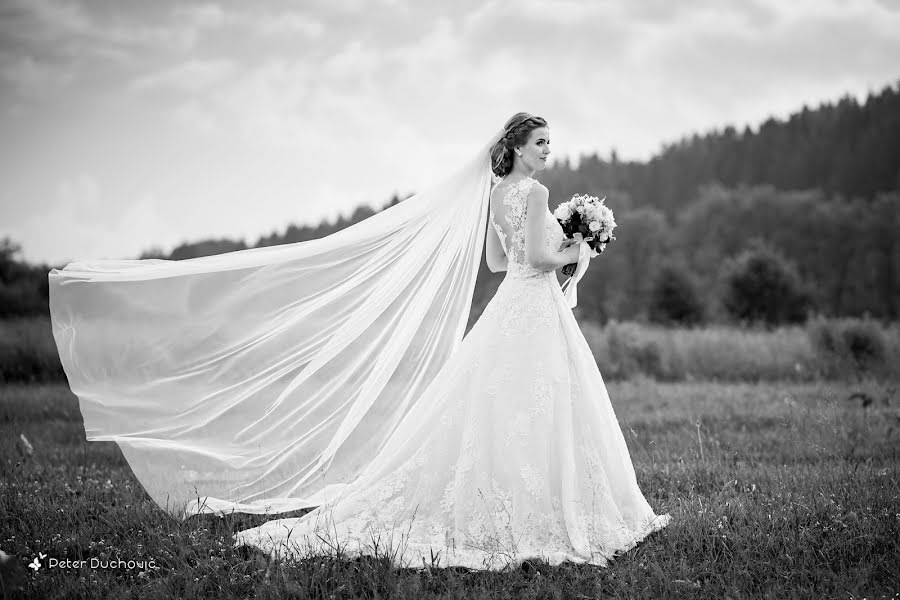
x=265, y=380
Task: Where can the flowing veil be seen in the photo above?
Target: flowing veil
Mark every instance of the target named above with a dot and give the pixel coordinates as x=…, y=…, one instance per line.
x=265, y=380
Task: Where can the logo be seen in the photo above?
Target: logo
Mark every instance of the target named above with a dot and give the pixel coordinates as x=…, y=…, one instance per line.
x=36, y=563
x=42, y=562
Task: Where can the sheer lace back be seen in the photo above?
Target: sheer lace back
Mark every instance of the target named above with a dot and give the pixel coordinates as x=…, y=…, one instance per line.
x=508, y=216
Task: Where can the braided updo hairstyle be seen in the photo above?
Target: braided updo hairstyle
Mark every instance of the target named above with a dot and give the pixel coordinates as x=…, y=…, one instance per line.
x=518, y=128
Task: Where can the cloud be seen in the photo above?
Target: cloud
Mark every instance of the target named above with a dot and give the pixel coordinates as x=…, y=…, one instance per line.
x=32, y=77
x=81, y=193
x=190, y=76
x=193, y=115
x=171, y=37
x=66, y=34
x=45, y=20
x=260, y=21
x=82, y=223
x=731, y=69
x=266, y=103
x=206, y=15
x=832, y=40
x=50, y=46
x=288, y=22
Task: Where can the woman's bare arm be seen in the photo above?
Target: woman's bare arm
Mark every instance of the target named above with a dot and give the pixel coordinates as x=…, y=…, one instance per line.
x=494, y=254
x=536, y=252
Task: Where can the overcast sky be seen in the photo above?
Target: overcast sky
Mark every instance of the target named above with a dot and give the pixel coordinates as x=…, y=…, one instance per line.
x=128, y=125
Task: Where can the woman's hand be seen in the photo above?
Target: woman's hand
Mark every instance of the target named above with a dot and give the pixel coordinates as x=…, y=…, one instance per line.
x=571, y=249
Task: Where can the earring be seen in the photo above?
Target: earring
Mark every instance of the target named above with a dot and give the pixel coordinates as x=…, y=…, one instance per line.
x=519, y=152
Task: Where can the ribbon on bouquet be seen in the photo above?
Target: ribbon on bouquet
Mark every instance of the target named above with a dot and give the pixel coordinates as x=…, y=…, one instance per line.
x=570, y=285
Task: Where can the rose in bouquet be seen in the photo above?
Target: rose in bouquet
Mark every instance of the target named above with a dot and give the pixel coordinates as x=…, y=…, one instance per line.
x=586, y=218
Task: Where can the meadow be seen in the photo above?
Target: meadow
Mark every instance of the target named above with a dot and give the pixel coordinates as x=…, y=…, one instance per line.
x=778, y=489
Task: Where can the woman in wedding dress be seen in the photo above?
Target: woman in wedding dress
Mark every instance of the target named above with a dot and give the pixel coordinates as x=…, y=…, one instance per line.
x=513, y=450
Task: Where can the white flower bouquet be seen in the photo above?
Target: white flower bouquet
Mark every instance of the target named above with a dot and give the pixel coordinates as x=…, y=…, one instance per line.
x=586, y=218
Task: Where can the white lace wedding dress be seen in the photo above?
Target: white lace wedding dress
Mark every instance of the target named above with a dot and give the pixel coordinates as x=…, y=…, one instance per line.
x=513, y=452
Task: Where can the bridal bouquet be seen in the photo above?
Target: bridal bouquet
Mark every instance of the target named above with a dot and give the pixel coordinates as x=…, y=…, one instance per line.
x=586, y=218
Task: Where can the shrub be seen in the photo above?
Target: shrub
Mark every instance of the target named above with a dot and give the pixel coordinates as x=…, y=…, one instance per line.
x=760, y=285
x=674, y=298
x=848, y=345
x=632, y=351
x=23, y=287
x=28, y=352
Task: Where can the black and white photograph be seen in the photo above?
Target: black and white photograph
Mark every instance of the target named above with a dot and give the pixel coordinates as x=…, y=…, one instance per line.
x=335, y=299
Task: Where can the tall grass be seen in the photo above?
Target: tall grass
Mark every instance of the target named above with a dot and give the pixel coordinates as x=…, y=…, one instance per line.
x=821, y=350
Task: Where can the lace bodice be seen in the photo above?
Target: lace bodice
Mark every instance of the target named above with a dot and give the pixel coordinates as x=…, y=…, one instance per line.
x=510, y=227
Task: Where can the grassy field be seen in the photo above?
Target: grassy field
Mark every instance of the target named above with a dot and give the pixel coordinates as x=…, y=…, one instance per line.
x=780, y=490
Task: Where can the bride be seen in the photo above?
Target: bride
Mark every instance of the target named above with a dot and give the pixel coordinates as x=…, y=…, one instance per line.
x=333, y=374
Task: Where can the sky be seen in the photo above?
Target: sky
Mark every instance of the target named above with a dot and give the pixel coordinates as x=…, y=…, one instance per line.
x=126, y=126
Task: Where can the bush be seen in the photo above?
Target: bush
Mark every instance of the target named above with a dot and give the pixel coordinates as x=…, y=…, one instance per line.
x=20, y=300
x=23, y=287
x=760, y=285
x=848, y=345
x=28, y=351
x=674, y=298
x=632, y=351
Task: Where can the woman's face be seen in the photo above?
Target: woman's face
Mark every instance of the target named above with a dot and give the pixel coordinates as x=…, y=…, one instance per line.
x=537, y=149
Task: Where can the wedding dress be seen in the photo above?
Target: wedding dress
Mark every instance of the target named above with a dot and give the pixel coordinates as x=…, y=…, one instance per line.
x=513, y=451
x=279, y=378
